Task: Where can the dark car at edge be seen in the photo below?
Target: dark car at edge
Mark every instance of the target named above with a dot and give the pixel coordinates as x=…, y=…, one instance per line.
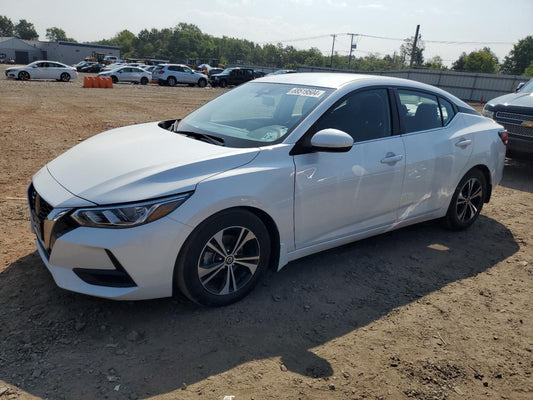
x=515, y=112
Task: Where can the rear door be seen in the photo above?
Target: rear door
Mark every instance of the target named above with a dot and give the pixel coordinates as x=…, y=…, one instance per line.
x=437, y=149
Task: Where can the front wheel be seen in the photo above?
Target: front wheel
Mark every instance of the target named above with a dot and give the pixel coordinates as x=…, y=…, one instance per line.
x=223, y=258
x=23, y=76
x=467, y=200
x=114, y=79
x=144, y=80
x=202, y=83
x=64, y=77
x=223, y=83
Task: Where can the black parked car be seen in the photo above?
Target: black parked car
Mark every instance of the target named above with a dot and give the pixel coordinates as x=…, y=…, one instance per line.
x=515, y=112
x=232, y=77
x=93, y=67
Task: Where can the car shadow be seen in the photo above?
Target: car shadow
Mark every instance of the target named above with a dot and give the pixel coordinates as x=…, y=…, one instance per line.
x=57, y=342
x=517, y=175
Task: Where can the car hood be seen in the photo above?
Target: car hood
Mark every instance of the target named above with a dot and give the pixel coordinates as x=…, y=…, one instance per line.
x=141, y=162
x=514, y=99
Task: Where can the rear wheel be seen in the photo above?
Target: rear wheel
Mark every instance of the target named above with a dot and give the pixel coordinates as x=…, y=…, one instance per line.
x=144, y=80
x=223, y=258
x=65, y=77
x=467, y=200
x=23, y=76
x=171, y=81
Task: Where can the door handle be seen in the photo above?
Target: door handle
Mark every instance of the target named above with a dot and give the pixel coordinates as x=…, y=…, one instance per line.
x=463, y=143
x=391, y=158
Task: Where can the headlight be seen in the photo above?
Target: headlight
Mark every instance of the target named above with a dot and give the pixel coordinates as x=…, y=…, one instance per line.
x=128, y=215
x=487, y=113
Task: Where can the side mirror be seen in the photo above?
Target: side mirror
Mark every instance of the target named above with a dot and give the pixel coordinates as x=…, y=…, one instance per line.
x=332, y=140
x=520, y=86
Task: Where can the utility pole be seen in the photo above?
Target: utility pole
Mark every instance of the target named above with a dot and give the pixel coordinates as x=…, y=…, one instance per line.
x=332, y=50
x=352, y=46
x=413, y=51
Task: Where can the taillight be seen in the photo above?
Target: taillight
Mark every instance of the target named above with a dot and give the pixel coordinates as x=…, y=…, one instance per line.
x=504, y=136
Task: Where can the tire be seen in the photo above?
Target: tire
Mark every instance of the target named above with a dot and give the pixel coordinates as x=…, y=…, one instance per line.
x=114, y=79
x=202, y=83
x=23, y=76
x=236, y=246
x=171, y=81
x=64, y=77
x=467, y=200
x=223, y=83
x=144, y=80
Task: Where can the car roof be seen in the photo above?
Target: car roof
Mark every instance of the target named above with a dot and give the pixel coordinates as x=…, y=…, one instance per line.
x=336, y=80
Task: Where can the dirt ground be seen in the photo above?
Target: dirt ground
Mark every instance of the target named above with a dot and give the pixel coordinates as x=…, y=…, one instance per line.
x=419, y=313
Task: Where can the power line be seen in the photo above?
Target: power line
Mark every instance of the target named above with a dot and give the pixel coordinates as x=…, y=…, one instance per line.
x=362, y=35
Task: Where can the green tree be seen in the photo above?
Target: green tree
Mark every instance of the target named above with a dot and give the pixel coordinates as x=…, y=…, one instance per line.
x=459, y=64
x=57, y=34
x=125, y=40
x=406, y=50
x=529, y=70
x=435, y=63
x=6, y=27
x=483, y=60
x=519, y=57
x=25, y=30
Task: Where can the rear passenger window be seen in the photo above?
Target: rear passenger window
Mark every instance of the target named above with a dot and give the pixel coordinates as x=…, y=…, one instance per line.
x=446, y=110
x=419, y=111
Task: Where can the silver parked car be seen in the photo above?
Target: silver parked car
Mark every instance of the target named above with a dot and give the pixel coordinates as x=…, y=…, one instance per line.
x=172, y=74
x=128, y=74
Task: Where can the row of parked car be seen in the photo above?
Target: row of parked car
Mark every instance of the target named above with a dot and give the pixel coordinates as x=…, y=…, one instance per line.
x=162, y=74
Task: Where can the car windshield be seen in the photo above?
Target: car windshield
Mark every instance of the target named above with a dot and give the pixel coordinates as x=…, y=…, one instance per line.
x=528, y=87
x=254, y=114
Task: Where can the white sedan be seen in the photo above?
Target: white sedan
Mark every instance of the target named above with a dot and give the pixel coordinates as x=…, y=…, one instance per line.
x=274, y=170
x=128, y=74
x=43, y=70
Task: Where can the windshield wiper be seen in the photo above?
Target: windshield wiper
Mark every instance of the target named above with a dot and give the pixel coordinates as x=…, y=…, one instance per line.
x=202, y=136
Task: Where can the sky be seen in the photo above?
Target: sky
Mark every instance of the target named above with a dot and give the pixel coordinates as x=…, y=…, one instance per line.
x=379, y=25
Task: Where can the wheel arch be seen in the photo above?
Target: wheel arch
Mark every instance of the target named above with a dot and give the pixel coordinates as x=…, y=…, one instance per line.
x=488, y=179
x=265, y=218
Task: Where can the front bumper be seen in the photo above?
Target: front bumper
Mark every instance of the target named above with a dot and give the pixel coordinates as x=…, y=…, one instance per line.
x=124, y=264
x=145, y=254
x=520, y=146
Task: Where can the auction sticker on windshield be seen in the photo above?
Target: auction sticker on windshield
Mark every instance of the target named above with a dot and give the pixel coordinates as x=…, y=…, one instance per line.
x=306, y=92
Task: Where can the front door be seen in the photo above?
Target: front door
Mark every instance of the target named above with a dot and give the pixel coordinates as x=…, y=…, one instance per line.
x=339, y=194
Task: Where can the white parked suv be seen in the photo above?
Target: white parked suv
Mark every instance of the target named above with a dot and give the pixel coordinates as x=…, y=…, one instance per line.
x=172, y=74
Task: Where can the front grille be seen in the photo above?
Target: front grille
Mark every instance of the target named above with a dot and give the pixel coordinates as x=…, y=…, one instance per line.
x=519, y=130
x=513, y=122
x=39, y=209
x=513, y=117
x=49, y=224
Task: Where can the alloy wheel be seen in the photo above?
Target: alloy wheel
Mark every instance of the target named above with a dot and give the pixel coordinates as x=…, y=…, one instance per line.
x=228, y=260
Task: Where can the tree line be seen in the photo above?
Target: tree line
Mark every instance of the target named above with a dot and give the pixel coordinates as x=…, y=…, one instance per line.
x=186, y=41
